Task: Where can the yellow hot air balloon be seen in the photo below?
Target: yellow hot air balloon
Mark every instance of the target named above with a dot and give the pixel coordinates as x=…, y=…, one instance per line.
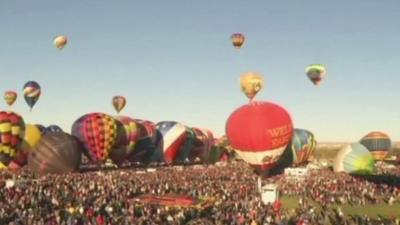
x=31, y=138
x=251, y=83
x=60, y=42
x=10, y=97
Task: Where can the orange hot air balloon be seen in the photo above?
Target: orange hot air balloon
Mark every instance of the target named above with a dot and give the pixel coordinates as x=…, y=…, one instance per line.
x=119, y=103
x=237, y=40
x=60, y=42
x=251, y=83
x=10, y=97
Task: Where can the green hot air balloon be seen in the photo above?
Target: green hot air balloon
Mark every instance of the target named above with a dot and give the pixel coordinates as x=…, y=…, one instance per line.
x=354, y=159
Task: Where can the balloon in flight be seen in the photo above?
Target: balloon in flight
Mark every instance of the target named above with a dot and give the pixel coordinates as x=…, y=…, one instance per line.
x=32, y=93
x=237, y=40
x=316, y=73
x=251, y=83
x=60, y=41
x=10, y=97
x=119, y=103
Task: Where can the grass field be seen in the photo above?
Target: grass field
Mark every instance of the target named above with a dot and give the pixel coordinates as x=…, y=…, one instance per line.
x=373, y=211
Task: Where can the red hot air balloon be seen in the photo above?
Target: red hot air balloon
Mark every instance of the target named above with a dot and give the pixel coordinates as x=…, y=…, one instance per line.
x=98, y=133
x=259, y=132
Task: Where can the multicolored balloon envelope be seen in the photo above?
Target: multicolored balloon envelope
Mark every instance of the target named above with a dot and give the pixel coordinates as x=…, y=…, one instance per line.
x=209, y=143
x=31, y=139
x=130, y=135
x=98, y=134
x=12, y=129
x=259, y=132
x=355, y=159
x=237, y=40
x=55, y=153
x=146, y=143
x=32, y=93
x=378, y=143
x=188, y=145
x=303, y=145
x=41, y=128
x=316, y=73
x=10, y=97
x=171, y=138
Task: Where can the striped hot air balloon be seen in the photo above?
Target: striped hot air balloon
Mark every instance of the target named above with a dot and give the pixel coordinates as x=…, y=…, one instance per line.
x=259, y=132
x=98, y=134
x=56, y=152
x=32, y=93
x=355, y=159
x=10, y=97
x=171, y=138
x=199, y=145
x=378, y=143
x=12, y=128
x=303, y=145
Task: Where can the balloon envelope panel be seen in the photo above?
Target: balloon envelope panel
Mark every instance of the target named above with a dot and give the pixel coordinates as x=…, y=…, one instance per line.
x=378, y=143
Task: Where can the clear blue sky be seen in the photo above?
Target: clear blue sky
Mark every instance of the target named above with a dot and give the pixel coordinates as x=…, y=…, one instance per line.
x=173, y=60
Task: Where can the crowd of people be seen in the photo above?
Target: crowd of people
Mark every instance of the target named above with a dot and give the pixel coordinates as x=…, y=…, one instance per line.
x=110, y=197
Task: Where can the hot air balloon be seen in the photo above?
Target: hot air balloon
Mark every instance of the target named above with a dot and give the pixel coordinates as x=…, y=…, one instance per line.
x=31, y=93
x=355, y=159
x=10, y=97
x=146, y=143
x=129, y=139
x=251, y=83
x=199, y=145
x=12, y=128
x=259, y=133
x=303, y=145
x=378, y=143
x=55, y=153
x=237, y=40
x=53, y=128
x=188, y=146
x=60, y=42
x=97, y=132
x=172, y=136
x=31, y=138
x=316, y=72
x=119, y=103
x=209, y=143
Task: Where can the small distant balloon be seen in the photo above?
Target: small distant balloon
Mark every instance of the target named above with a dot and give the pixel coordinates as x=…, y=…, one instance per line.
x=60, y=42
x=10, y=97
x=31, y=93
x=119, y=103
x=237, y=40
x=316, y=73
x=251, y=83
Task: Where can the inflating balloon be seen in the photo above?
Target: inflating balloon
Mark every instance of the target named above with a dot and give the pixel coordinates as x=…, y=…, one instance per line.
x=55, y=153
x=97, y=132
x=378, y=143
x=10, y=97
x=146, y=143
x=119, y=103
x=60, y=42
x=12, y=129
x=259, y=133
x=172, y=136
x=355, y=159
x=199, y=145
x=237, y=40
x=128, y=138
x=316, y=72
x=187, y=147
x=31, y=93
x=41, y=128
x=251, y=83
